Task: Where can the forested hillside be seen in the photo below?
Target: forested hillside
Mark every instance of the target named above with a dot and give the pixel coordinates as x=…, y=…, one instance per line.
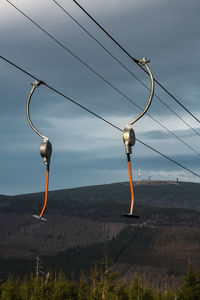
x=85, y=223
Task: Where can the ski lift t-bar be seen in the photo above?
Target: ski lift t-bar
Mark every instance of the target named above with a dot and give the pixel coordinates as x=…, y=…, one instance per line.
x=45, y=148
x=129, y=135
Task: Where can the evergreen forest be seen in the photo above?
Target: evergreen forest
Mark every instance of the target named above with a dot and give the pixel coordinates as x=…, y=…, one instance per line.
x=102, y=284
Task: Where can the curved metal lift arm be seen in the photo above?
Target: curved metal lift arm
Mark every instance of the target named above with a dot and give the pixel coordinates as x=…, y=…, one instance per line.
x=35, y=85
x=45, y=148
x=144, y=62
x=129, y=136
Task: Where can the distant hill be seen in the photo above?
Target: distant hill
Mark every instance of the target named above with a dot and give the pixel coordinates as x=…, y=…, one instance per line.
x=83, y=222
x=151, y=193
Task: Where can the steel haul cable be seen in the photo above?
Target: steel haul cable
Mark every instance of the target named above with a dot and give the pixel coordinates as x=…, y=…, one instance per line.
x=128, y=70
x=135, y=60
x=96, y=115
x=100, y=76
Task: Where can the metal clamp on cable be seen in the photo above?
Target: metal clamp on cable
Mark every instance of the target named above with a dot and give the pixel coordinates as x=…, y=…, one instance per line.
x=45, y=148
x=129, y=135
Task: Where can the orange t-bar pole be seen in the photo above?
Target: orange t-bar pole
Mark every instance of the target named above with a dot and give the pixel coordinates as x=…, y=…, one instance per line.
x=46, y=192
x=131, y=183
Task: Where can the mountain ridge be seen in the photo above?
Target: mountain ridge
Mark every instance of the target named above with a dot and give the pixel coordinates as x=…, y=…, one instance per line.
x=83, y=222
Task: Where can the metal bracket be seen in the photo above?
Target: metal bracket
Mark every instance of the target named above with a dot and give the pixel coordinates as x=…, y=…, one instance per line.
x=144, y=61
x=37, y=83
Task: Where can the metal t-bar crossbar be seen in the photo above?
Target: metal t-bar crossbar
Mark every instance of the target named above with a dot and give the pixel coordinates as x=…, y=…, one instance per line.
x=129, y=136
x=45, y=149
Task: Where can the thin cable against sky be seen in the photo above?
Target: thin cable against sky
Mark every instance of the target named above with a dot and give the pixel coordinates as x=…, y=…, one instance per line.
x=128, y=70
x=135, y=60
x=100, y=76
x=96, y=115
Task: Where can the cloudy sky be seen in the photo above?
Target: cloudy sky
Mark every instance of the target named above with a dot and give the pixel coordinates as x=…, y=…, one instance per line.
x=87, y=151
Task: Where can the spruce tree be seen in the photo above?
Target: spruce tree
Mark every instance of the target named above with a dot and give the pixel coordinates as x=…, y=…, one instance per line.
x=10, y=290
x=191, y=286
x=139, y=289
x=84, y=289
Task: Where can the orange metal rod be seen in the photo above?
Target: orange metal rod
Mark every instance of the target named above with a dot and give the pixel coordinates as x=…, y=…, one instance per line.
x=131, y=184
x=46, y=192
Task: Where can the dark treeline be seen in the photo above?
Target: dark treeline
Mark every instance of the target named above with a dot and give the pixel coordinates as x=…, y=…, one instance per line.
x=102, y=284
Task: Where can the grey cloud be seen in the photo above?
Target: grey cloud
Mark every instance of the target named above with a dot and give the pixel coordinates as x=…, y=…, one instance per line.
x=160, y=134
x=167, y=33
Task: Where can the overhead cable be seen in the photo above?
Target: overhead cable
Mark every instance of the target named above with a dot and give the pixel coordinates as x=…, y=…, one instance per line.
x=96, y=115
x=135, y=60
x=128, y=70
x=100, y=76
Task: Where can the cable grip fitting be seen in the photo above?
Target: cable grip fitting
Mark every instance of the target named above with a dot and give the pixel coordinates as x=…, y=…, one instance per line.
x=37, y=83
x=144, y=61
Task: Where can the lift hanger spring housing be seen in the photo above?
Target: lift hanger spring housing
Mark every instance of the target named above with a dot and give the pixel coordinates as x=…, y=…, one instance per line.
x=45, y=151
x=129, y=139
